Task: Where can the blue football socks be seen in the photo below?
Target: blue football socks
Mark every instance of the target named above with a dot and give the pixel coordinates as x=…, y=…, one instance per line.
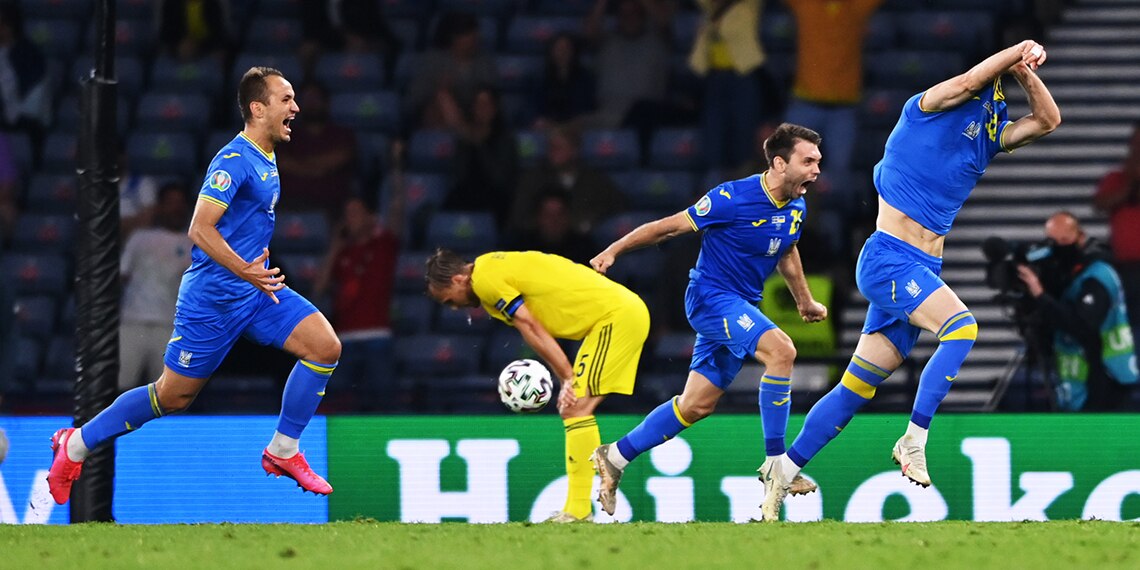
x=956, y=338
x=775, y=407
x=832, y=413
x=661, y=425
x=303, y=392
x=128, y=412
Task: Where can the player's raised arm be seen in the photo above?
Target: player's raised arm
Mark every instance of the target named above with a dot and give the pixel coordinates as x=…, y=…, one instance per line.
x=961, y=88
x=648, y=233
x=792, y=269
x=204, y=233
x=1044, y=116
x=537, y=337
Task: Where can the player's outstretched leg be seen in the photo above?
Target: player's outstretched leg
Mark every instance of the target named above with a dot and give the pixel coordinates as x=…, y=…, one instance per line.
x=303, y=393
x=70, y=446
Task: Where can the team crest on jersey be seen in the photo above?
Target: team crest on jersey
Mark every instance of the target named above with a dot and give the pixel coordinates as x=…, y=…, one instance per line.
x=972, y=131
x=220, y=180
x=778, y=221
x=703, y=206
x=184, y=358
x=774, y=246
x=745, y=322
x=273, y=202
x=913, y=288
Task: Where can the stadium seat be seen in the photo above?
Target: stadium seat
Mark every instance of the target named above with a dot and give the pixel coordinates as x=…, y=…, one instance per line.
x=405, y=8
x=36, y=315
x=29, y=356
x=410, y=272
x=67, y=119
x=37, y=233
x=376, y=111
x=881, y=108
x=465, y=232
x=519, y=72
x=664, y=191
x=301, y=232
x=35, y=273
x=433, y=355
x=132, y=37
x=67, y=315
x=129, y=72
x=466, y=394
x=576, y=8
x=530, y=34
x=518, y=109
x=372, y=150
x=431, y=151
x=423, y=193
x=53, y=193
x=869, y=149
x=411, y=313
x=477, y=7
x=300, y=270
x=532, y=147
x=506, y=345
x=676, y=149
x=133, y=9
x=163, y=154
x=273, y=35
x=170, y=112
x=288, y=65
x=20, y=145
x=407, y=30
x=60, y=361
x=43, y=9
x=56, y=38
x=59, y=153
x=778, y=30
x=971, y=32
x=610, y=149
x=617, y=226
x=912, y=70
x=639, y=270
x=473, y=320
x=490, y=37
x=214, y=143
x=203, y=76
x=350, y=72
x=673, y=351
x=881, y=32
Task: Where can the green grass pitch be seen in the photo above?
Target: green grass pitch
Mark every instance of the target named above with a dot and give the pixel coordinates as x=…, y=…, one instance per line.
x=703, y=546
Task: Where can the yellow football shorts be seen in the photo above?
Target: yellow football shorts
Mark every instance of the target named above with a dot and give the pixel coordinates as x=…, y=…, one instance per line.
x=607, y=360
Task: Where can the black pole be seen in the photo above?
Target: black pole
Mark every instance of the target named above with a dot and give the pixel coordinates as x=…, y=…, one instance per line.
x=97, y=268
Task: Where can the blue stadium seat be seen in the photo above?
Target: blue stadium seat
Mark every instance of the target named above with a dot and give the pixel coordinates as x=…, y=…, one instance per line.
x=639, y=270
x=53, y=193
x=135, y=9
x=402, y=71
x=273, y=35
x=465, y=232
x=59, y=153
x=532, y=147
x=473, y=320
x=881, y=32
x=29, y=356
x=407, y=30
x=423, y=193
x=411, y=313
x=67, y=315
x=673, y=351
x=869, y=148
x=300, y=270
x=204, y=76
x=163, y=154
x=348, y=72
x=38, y=233
x=214, y=143
x=129, y=72
x=530, y=34
x=70, y=9
x=431, y=151
x=36, y=274
x=373, y=110
x=518, y=108
x=951, y=31
x=60, y=361
x=68, y=120
x=676, y=149
x=132, y=37
x=478, y=7
x=301, y=232
x=433, y=355
x=610, y=149
x=617, y=226
x=519, y=72
x=577, y=8
x=36, y=315
x=778, y=30
x=663, y=191
x=56, y=38
x=372, y=150
x=288, y=65
x=164, y=112
x=912, y=70
x=410, y=272
x=881, y=108
x=20, y=144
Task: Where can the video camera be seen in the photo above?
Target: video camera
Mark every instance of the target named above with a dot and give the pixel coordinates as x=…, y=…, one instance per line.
x=1003, y=257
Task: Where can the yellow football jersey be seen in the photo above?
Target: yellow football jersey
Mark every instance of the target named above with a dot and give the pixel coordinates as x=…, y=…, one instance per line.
x=566, y=297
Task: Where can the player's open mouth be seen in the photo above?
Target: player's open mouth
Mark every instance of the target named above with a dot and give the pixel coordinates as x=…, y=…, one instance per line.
x=286, y=123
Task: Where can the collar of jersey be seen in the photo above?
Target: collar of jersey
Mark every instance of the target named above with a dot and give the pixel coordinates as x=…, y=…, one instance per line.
x=268, y=155
x=771, y=198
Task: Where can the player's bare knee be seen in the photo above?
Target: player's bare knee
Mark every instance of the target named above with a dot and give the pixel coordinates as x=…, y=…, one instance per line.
x=780, y=356
x=327, y=351
x=695, y=411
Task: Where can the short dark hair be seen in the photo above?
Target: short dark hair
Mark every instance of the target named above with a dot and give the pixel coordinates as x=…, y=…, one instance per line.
x=782, y=141
x=442, y=265
x=253, y=87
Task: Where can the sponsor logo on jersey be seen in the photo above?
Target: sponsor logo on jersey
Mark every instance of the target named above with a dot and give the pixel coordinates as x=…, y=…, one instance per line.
x=231, y=155
x=758, y=223
x=972, y=130
x=745, y=322
x=725, y=193
x=773, y=246
x=913, y=288
x=220, y=180
x=703, y=206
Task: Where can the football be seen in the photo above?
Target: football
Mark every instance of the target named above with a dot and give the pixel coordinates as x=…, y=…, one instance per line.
x=525, y=386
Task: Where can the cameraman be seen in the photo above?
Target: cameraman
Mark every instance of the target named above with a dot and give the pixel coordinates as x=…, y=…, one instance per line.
x=1092, y=341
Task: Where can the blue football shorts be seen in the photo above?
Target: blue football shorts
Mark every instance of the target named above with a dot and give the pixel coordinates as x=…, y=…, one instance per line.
x=201, y=339
x=896, y=278
x=728, y=329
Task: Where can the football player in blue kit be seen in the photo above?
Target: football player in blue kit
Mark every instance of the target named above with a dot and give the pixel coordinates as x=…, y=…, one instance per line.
x=230, y=290
x=940, y=147
x=750, y=228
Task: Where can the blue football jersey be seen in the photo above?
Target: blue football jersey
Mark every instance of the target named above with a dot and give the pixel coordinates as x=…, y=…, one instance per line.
x=243, y=179
x=746, y=232
x=933, y=159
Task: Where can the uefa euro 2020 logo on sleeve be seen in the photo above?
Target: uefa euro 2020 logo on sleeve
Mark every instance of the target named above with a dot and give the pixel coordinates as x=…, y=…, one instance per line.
x=220, y=180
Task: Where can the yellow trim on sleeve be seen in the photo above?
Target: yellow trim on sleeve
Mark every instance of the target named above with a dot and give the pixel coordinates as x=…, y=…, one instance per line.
x=1001, y=138
x=213, y=200
x=726, y=328
x=691, y=222
x=677, y=412
x=152, y=392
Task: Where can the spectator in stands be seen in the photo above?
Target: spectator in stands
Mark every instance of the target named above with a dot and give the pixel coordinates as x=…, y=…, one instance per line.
x=25, y=91
x=728, y=56
x=450, y=74
x=359, y=273
x=138, y=194
x=9, y=189
x=357, y=26
x=632, y=62
x=1118, y=196
x=486, y=156
x=318, y=167
x=1086, y=310
x=153, y=261
x=190, y=29
x=568, y=88
x=553, y=232
x=593, y=195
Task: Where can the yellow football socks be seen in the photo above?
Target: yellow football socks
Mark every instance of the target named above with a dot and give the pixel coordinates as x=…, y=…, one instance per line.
x=582, y=438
